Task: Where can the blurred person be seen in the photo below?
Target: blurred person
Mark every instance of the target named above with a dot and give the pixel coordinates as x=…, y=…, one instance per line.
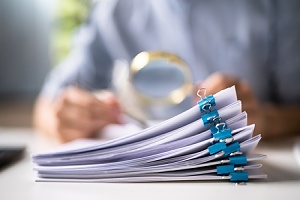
x=252, y=44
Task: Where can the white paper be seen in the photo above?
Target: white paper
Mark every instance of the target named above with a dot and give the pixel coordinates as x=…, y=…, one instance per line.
x=173, y=150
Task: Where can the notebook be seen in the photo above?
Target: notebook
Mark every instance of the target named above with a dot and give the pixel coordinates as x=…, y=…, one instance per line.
x=210, y=141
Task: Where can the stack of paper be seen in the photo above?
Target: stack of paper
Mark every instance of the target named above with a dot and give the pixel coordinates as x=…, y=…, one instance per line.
x=210, y=141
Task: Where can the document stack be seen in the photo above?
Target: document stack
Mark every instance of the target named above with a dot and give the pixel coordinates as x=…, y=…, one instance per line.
x=210, y=141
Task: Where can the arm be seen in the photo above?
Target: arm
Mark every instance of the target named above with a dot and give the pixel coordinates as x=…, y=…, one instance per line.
x=282, y=116
x=64, y=112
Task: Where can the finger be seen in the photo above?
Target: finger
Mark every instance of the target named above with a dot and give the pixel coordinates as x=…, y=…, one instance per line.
x=80, y=99
x=65, y=109
x=111, y=116
x=112, y=104
x=85, y=120
x=85, y=129
x=213, y=84
x=73, y=117
x=67, y=134
x=217, y=82
x=108, y=98
x=244, y=91
x=247, y=96
x=106, y=107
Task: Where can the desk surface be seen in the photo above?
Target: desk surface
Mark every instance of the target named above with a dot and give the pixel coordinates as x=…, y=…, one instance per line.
x=17, y=181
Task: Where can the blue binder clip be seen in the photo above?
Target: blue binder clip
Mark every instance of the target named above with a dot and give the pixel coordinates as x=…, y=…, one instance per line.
x=206, y=103
x=238, y=160
x=226, y=133
x=239, y=177
x=225, y=169
x=215, y=148
x=222, y=138
x=234, y=147
x=211, y=117
x=220, y=145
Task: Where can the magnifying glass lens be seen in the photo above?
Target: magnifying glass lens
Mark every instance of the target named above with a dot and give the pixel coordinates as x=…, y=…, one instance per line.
x=158, y=78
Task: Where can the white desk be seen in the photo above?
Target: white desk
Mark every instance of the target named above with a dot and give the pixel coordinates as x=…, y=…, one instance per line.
x=17, y=181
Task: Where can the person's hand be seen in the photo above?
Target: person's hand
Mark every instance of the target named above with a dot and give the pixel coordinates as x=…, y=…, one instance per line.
x=77, y=113
x=218, y=81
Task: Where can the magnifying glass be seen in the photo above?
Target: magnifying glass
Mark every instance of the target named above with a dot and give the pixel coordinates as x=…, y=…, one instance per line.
x=152, y=81
x=160, y=78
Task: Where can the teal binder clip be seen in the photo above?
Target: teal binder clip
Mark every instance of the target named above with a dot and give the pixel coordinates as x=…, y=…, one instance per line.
x=239, y=177
x=225, y=169
x=238, y=160
x=211, y=117
x=206, y=103
x=222, y=138
x=234, y=147
x=226, y=133
x=215, y=148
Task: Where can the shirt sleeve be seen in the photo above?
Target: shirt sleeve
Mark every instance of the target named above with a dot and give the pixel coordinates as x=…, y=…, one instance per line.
x=89, y=64
x=287, y=73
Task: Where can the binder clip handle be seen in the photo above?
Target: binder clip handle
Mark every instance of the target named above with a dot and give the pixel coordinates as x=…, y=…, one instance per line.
x=199, y=95
x=219, y=127
x=227, y=140
x=211, y=118
x=206, y=103
x=236, y=153
x=227, y=169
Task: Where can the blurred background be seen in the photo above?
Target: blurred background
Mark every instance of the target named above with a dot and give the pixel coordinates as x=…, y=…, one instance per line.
x=34, y=36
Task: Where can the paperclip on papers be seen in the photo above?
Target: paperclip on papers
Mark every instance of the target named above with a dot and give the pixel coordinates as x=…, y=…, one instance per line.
x=206, y=142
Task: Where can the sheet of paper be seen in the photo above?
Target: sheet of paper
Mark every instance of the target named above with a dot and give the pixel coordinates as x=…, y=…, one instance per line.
x=253, y=174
